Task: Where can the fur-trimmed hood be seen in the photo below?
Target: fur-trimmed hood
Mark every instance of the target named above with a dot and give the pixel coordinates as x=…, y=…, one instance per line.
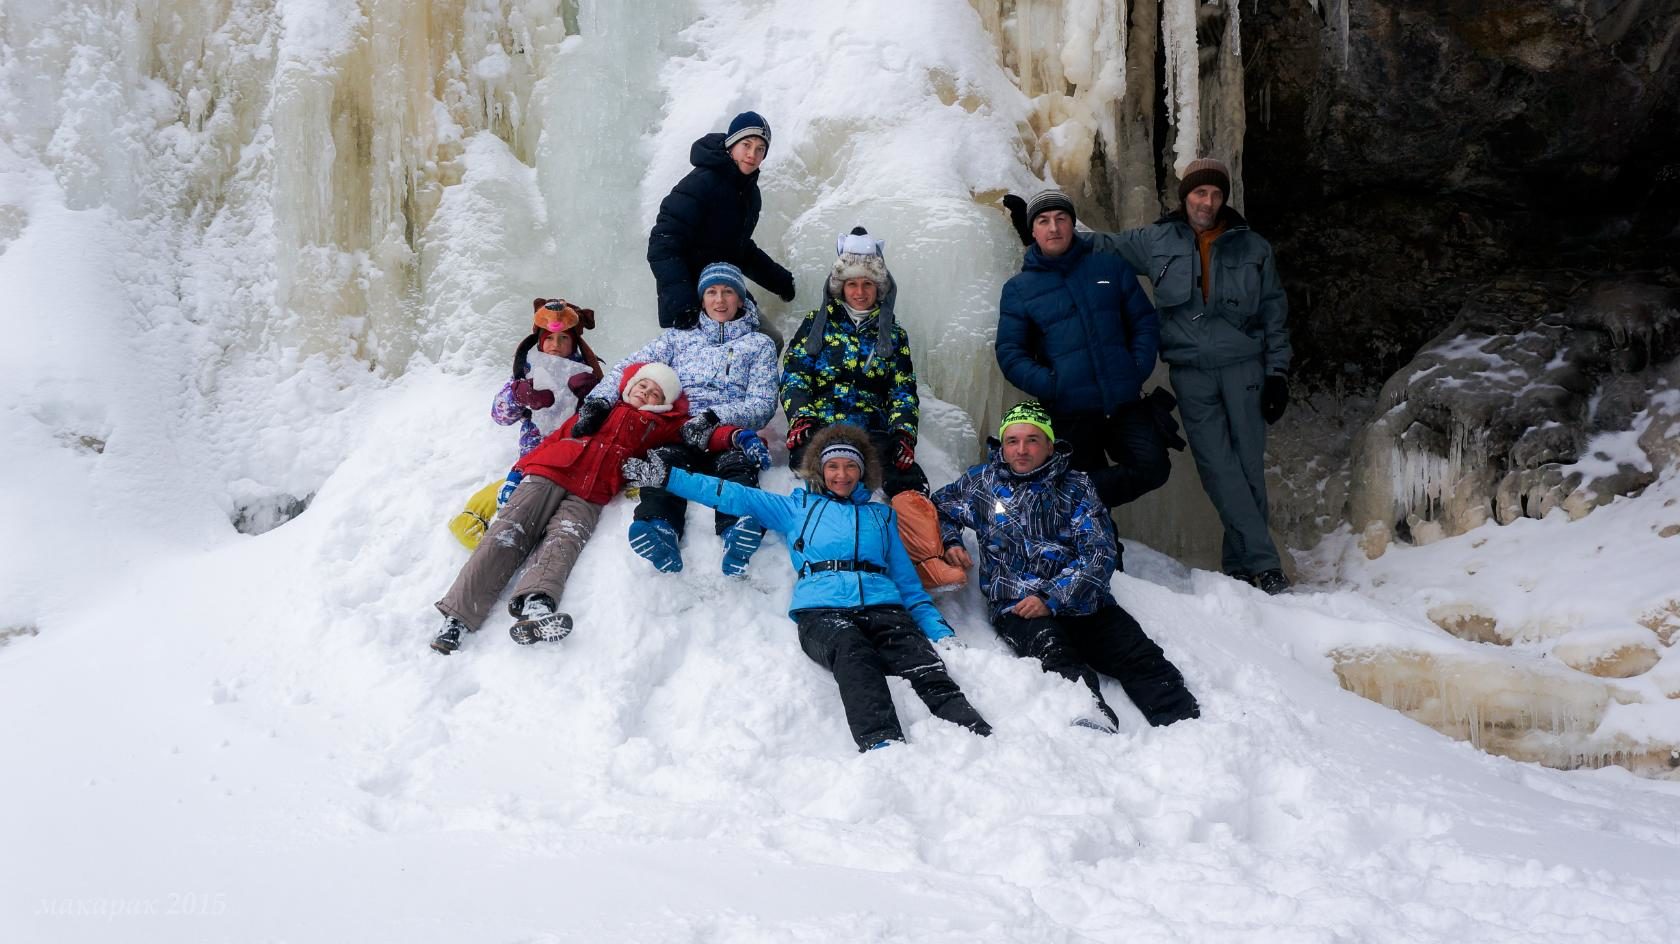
x=810, y=467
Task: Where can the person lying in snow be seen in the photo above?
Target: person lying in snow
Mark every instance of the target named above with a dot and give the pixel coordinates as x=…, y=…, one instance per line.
x=709, y=216
x=729, y=372
x=564, y=482
x=849, y=362
x=1045, y=561
x=860, y=609
x=553, y=370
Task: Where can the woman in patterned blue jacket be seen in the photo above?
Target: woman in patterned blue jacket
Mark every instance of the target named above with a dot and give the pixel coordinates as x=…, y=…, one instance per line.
x=1046, y=556
x=728, y=370
x=861, y=611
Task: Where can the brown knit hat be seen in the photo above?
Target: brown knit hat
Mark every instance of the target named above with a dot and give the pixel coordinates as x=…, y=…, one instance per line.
x=1205, y=170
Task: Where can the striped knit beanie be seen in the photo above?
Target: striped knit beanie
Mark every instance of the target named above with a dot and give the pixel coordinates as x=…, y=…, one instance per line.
x=722, y=273
x=1046, y=200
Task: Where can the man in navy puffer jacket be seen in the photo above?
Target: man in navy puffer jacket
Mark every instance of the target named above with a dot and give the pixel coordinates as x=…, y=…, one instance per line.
x=1076, y=332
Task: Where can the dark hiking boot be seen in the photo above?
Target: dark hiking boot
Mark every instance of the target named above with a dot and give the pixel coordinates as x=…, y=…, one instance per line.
x=1102, y=719
x=740, y=542
x=1271, y=581
x=657, y=542
x=540, y=622
x=450, y=639
x=1241, y=577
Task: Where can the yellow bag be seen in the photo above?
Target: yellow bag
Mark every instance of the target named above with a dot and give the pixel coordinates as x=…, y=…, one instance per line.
x=469, y=526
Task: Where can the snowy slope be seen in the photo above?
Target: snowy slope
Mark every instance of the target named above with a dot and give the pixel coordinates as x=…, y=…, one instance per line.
x=258, y=729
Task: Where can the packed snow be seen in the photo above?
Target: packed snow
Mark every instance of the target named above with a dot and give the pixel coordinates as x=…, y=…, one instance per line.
x=215, y=734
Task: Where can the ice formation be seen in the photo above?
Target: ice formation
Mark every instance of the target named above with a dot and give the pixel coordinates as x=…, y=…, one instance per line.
x=1505, y=416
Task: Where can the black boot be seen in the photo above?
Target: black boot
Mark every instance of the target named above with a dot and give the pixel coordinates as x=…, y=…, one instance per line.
x=1271, y=581
x=538, y=621
x=450, y=639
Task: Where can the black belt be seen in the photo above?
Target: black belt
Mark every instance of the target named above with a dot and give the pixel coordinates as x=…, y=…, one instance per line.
x=863, y=567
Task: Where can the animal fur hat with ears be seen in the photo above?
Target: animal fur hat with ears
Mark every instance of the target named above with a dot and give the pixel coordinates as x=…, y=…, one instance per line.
x=577, y=321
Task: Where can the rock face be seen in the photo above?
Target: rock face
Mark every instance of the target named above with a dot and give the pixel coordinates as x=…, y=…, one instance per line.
x=1475, y=208
x=1535, y=397
x=1403, y=156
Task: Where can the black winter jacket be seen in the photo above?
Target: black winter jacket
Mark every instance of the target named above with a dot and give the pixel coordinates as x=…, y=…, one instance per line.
x=708, y=217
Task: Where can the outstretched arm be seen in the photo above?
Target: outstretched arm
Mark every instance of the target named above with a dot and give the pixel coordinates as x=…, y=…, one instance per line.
x=733, y=498
x=1128, y=244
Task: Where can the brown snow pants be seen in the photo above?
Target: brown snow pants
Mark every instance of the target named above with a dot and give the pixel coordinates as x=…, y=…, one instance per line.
x=542, y=521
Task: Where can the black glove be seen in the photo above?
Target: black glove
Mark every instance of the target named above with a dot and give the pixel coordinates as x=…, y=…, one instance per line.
x=1161, y=403
x=1274, y=398
x=687, y=318
x=1017, y=208
x=591, y=413
x=787, y=294
x=651, y=472
x=697, y=432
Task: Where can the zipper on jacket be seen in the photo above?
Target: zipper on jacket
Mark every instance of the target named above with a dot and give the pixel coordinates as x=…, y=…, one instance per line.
x=857, y=537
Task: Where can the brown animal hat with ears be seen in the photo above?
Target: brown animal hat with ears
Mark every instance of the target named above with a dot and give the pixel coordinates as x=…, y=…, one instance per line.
x=548, y=311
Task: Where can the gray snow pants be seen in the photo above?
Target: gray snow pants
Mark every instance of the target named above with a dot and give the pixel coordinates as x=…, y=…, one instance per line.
x=1221, y=411
x=539, y=511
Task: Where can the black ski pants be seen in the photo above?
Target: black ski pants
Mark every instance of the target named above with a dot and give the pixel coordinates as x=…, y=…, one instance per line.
x=862, y=647
x=1109, y=641
x=1128, y=436
x=731, y=465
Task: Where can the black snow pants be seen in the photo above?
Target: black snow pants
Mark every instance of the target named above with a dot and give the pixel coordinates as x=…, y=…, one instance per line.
x=1109, y=641
x=862, y=647
x=1129, y=437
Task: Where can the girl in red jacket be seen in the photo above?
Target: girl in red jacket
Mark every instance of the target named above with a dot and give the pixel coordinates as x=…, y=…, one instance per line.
x=555, y=508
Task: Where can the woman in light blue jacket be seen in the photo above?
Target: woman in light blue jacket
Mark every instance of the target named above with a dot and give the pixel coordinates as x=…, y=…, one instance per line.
x=729, y=372
x=861, y=609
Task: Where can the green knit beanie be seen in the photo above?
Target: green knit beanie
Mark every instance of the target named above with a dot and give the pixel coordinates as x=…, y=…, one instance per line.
x=1030, y=412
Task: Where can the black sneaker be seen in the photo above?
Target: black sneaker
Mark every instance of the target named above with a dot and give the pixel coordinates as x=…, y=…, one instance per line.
x=1271, y=581
x=450, y=639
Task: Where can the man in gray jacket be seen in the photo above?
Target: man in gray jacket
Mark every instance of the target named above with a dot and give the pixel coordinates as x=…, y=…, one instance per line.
x=1226, y=342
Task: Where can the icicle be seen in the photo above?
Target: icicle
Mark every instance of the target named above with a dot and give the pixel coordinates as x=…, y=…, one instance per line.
x=1182, y=69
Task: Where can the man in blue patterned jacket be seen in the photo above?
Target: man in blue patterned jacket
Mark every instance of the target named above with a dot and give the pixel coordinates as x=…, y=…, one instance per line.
x=1045, y=562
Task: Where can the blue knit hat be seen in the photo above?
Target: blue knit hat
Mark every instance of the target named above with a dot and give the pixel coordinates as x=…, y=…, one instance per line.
x=722, y=273
x=746, y=125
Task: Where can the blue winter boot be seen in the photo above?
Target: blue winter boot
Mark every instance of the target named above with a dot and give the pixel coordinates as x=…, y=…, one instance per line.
x=740, y=541
x=656, y=541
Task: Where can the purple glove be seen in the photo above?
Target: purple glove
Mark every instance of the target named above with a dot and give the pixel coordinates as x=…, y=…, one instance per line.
x=581, y=384
x=526, y=394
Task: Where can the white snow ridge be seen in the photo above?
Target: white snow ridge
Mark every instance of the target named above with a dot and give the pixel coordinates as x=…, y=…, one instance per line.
x=265, y=261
